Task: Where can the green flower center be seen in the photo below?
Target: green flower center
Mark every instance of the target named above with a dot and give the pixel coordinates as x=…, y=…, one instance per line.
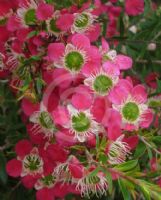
x=93, y=180
x=53, y=27
x=80, y=122
x=48, y=180
x=45, y=120
x=74, y=61
x=82, y=21
x=130, y=111
x=32, y=162
x=30, y=17
x=102, y=84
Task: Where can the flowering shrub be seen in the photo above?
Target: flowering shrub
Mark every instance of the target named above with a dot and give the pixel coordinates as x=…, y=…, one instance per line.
x=93, y=128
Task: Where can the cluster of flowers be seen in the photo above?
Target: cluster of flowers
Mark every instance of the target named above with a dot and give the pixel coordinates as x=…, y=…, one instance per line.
x=84, y=96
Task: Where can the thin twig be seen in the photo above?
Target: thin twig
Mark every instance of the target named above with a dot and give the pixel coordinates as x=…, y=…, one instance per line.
x=146, y=143
x=146, y=61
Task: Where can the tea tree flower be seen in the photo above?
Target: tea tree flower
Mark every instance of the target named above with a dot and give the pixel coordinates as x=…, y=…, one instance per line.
x=82, y=124
x=83, y=22
x=89, y=185
x=32, y=163
x=43, y=123
x=103, y=81
x=130, y=102
x=118, y=151
x=27, y=13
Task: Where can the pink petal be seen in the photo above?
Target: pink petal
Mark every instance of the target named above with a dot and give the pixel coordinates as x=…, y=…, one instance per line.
x=114, y=125
x=124, y=62
x=139, y=93
x=28, y=181
x=81, y=41
x=105, y=45
x=62, y=78
x=130, y=127
x=13, y=24
x=65, y=22
x=28, y=107
x=132, y=141
x=55, y=51
x=134, y=7
x=76, y=168
x=14, y=168
x=120, y=92
x=82, y=99
x=45, y=193
x=65, y=138
x=56, y=153
x=94, y=54
x=23, y=147
x=89, y=68
x=111, y=68
x=94, y=32
x=22, y=34
x=44, y=11
x=61, y=116
x=35, y=138
x=147, y=118
x=99, y=108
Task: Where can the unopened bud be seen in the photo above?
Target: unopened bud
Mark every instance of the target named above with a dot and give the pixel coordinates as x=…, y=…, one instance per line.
x=151, y=47
x=133, y=29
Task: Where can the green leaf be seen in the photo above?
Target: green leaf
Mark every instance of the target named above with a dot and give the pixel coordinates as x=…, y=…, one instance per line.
x=157, y=140
x=145, y=192
x=141, y=148
x=102, y=158
x=124, y=190
x=150, y=154
x=127, y=166
x=121, y=24
x=158, y=86
x=32, y=34
x=94, y=172
x=3, y=174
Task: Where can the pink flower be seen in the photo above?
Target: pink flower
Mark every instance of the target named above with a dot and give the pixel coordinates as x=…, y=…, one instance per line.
x=103, y=80
x=44, y=11
x=28, y=162
x=76, y=57
x=130, y=102
x=134, y=7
